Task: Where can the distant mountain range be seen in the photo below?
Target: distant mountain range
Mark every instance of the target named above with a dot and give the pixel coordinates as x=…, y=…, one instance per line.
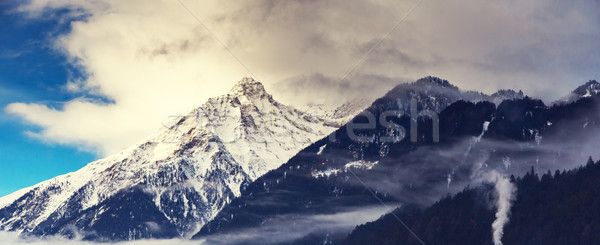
x=244, y=168
x=340, y=173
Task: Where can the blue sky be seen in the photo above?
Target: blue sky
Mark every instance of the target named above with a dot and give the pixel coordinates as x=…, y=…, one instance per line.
x=30, y=71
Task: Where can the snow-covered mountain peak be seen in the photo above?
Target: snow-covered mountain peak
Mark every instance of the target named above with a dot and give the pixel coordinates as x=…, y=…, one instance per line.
x=588, y=89
x=250, y=88
x=188, y=171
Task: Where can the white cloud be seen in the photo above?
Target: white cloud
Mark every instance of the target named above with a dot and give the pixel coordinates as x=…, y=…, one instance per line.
x=289, y=228
x=153, y=59
x=276, y=231
x=12, y=238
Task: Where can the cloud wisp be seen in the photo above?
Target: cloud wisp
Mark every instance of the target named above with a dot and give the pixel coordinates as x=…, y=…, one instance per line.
x=13, y=238
x=276, y=231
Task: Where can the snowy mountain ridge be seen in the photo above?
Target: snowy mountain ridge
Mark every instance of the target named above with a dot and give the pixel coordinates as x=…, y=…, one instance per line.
x=200, y=162
x=175, y=181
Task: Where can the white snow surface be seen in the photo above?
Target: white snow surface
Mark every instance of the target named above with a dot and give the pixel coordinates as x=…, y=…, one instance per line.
x=230, y=140
x=360, y=164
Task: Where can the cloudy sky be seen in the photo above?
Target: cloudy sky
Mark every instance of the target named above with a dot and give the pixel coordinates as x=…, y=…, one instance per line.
x=84, y=79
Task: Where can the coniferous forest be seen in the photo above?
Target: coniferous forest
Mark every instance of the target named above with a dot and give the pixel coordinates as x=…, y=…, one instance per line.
x=550, y=208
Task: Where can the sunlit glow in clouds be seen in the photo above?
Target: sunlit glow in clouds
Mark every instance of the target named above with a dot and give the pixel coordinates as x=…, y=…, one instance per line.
x=151, y=59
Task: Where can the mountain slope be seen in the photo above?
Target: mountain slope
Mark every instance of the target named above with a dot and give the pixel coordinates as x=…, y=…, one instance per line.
x=586, y=90
x=192, y=169
x=175, y=182
x=386, y=165
x=559, y=208
x=180, y=177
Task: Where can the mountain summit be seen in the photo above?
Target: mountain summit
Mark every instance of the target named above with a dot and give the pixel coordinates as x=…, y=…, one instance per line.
x=250, y=88
x=173, y=182
x=589, y=89
x=430, y=80
x=586, y=90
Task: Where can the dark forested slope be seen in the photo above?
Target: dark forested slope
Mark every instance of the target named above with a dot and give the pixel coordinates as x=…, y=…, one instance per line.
x=556, y=208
